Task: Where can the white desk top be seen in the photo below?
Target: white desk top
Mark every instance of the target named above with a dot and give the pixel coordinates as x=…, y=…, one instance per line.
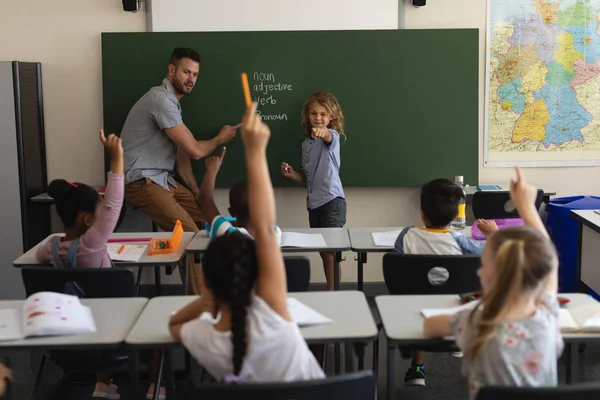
x=470, y=190
x=361, y=239
x=112, y=327
x=352, y=319
x=587, y=217
x=403, y=322
x=28, y=259
x=336, y=238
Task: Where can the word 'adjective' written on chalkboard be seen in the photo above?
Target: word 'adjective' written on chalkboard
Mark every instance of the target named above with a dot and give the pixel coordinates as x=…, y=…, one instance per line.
x=264, y=88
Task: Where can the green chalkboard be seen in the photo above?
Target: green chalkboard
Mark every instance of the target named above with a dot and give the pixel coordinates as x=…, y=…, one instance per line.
x=410, y=97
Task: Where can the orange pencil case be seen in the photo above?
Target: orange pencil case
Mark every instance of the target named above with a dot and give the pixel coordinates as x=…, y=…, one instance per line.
x=169, y=245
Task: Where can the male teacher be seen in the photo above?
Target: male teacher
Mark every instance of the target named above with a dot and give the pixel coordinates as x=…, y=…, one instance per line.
x=156, y=142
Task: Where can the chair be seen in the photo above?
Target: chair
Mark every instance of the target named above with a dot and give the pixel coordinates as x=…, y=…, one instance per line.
x=406, y=274
x=297, y=270
x=585, y=391
x=412, y=274
x=96, y=283
x=497, y=205
x=357, y=386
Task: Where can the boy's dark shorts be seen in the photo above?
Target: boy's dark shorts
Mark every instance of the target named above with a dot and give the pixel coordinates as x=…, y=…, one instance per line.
x=329, y=215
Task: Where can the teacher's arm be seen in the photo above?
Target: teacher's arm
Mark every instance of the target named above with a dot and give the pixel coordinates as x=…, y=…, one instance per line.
x=198, y=149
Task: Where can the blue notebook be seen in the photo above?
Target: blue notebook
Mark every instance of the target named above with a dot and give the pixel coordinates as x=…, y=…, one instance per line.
x=489, y=188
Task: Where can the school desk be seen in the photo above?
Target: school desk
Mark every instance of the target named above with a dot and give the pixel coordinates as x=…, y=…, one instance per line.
x=336, y=238
x=352, y=321
x=588, y=248
x=111, y=330
x=361, y=241
x=167, y=260
x=403, y=323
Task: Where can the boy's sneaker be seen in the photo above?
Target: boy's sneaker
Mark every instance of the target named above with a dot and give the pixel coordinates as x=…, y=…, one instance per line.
x=456, y=354
x=104, y=391
x=415, y=376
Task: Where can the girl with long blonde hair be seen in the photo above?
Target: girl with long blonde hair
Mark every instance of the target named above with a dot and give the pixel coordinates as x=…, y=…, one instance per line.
x=511, y=337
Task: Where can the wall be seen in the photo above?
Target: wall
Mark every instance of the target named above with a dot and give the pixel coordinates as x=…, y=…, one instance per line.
x=64, y=35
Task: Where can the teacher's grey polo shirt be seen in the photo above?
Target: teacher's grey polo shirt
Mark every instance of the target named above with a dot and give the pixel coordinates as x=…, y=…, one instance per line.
x=147, y=150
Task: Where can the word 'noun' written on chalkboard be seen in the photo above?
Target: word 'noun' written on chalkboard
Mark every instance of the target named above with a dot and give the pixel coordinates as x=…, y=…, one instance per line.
x=265, y=85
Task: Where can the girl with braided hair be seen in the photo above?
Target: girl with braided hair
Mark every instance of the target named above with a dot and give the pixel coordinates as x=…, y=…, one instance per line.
x=240, y=329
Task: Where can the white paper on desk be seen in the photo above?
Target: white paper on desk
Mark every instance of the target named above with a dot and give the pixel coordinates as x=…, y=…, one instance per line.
x=294, y=239
x=432, y=312
x=566, y=323
x=385, y=239
x=10, y=324
x=130, y=252
x=303, y=315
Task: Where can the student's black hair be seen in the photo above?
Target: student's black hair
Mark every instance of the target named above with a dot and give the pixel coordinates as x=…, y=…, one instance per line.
x=71, y=199
x=184, y=52
x=439, y=201
x=230, y=269
x=238, y=202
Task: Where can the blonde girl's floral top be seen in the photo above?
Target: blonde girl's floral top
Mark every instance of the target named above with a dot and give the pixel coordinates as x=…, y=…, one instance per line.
x=522, y=352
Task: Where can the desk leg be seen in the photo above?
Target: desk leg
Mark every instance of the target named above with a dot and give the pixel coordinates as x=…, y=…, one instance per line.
x=336, y=358
x=134, y=372
x=349, y=358
x=336, y=270
x=572, y=363
x=159, y=375
x=361, y=260
x=359, y=349
x=185, y=277
x=170, y=375
x=391, y=383
x=138, y=280
x=157, y=281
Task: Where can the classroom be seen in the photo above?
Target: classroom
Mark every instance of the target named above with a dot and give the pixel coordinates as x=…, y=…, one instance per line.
x=87, y=52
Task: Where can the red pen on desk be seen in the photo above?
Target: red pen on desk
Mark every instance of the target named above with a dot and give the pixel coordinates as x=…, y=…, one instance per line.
x=121, y=249
x=128, y=240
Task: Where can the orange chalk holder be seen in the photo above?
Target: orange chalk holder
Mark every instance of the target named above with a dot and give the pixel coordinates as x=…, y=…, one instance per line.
x=167, y=246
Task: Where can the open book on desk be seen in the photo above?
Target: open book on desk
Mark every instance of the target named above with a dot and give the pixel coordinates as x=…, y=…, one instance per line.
x=303, y=315
x=432, y=312
x=386, y=239
x=125, y=252
x=306, y=240
x=580, y=319
x=46, y=314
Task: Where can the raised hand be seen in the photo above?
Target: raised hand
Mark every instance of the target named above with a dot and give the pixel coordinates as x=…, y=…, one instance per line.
x=255, y=133
x=213, y=163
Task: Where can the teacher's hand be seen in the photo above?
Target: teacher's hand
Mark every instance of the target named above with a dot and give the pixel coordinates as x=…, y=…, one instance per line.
x=228, y=132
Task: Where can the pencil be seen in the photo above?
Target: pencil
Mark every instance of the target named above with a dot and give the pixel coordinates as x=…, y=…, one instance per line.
x=246, y=90
x=121, y=249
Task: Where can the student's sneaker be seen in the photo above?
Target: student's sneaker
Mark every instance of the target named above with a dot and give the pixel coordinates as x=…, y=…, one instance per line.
x=415, y=376
x=161, y=393
x=104, y=391
x=456, y=354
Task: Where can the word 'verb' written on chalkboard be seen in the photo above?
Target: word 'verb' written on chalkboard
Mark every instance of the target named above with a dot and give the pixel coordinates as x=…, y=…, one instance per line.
x=265, y=87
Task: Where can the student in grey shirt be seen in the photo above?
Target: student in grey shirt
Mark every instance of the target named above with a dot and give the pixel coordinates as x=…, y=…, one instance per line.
x=156, y=141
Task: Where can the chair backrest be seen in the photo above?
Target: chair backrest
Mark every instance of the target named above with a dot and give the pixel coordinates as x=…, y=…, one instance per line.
x=585, y=391
x=95, y=282
x=297, y=270
x=356, y=386
x=497, y=205
x=425, y=274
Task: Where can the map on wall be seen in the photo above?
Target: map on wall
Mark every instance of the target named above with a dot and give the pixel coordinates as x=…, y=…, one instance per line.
x=543, y=97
